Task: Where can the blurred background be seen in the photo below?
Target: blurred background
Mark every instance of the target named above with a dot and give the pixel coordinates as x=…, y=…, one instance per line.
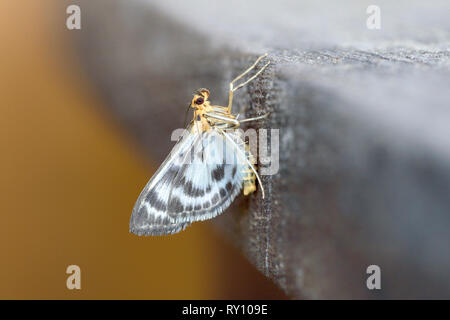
x=86, y=117
x=69, y=178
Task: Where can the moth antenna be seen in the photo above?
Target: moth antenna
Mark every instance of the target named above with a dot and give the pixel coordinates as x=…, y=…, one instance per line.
x=185, y=124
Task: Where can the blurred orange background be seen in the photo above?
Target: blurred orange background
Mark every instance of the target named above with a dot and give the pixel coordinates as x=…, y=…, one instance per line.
x=69, y=179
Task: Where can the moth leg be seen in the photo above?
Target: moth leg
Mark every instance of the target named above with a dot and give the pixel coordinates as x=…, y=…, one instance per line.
x=255, y=118
x=233, y=124
x=232, y=88
x=223, y=119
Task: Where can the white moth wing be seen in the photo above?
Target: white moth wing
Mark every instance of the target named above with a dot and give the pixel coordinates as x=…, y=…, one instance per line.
x=205, y=187
x=150, y=215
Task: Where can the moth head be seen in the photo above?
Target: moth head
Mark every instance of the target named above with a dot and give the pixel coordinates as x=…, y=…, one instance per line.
x=200, y=98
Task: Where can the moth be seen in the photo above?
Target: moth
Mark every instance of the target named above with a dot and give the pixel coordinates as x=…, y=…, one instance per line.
x=205, y=171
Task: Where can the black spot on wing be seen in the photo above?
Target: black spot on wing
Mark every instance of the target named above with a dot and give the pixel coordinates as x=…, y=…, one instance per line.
x=215, y=199
x=175, y=205
x=223, y=193
x=170, y=175
x=206, y=205
x=197, y=207
x=155, y=202
x=192, y=191
x=234, y=171
x=218, y=173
